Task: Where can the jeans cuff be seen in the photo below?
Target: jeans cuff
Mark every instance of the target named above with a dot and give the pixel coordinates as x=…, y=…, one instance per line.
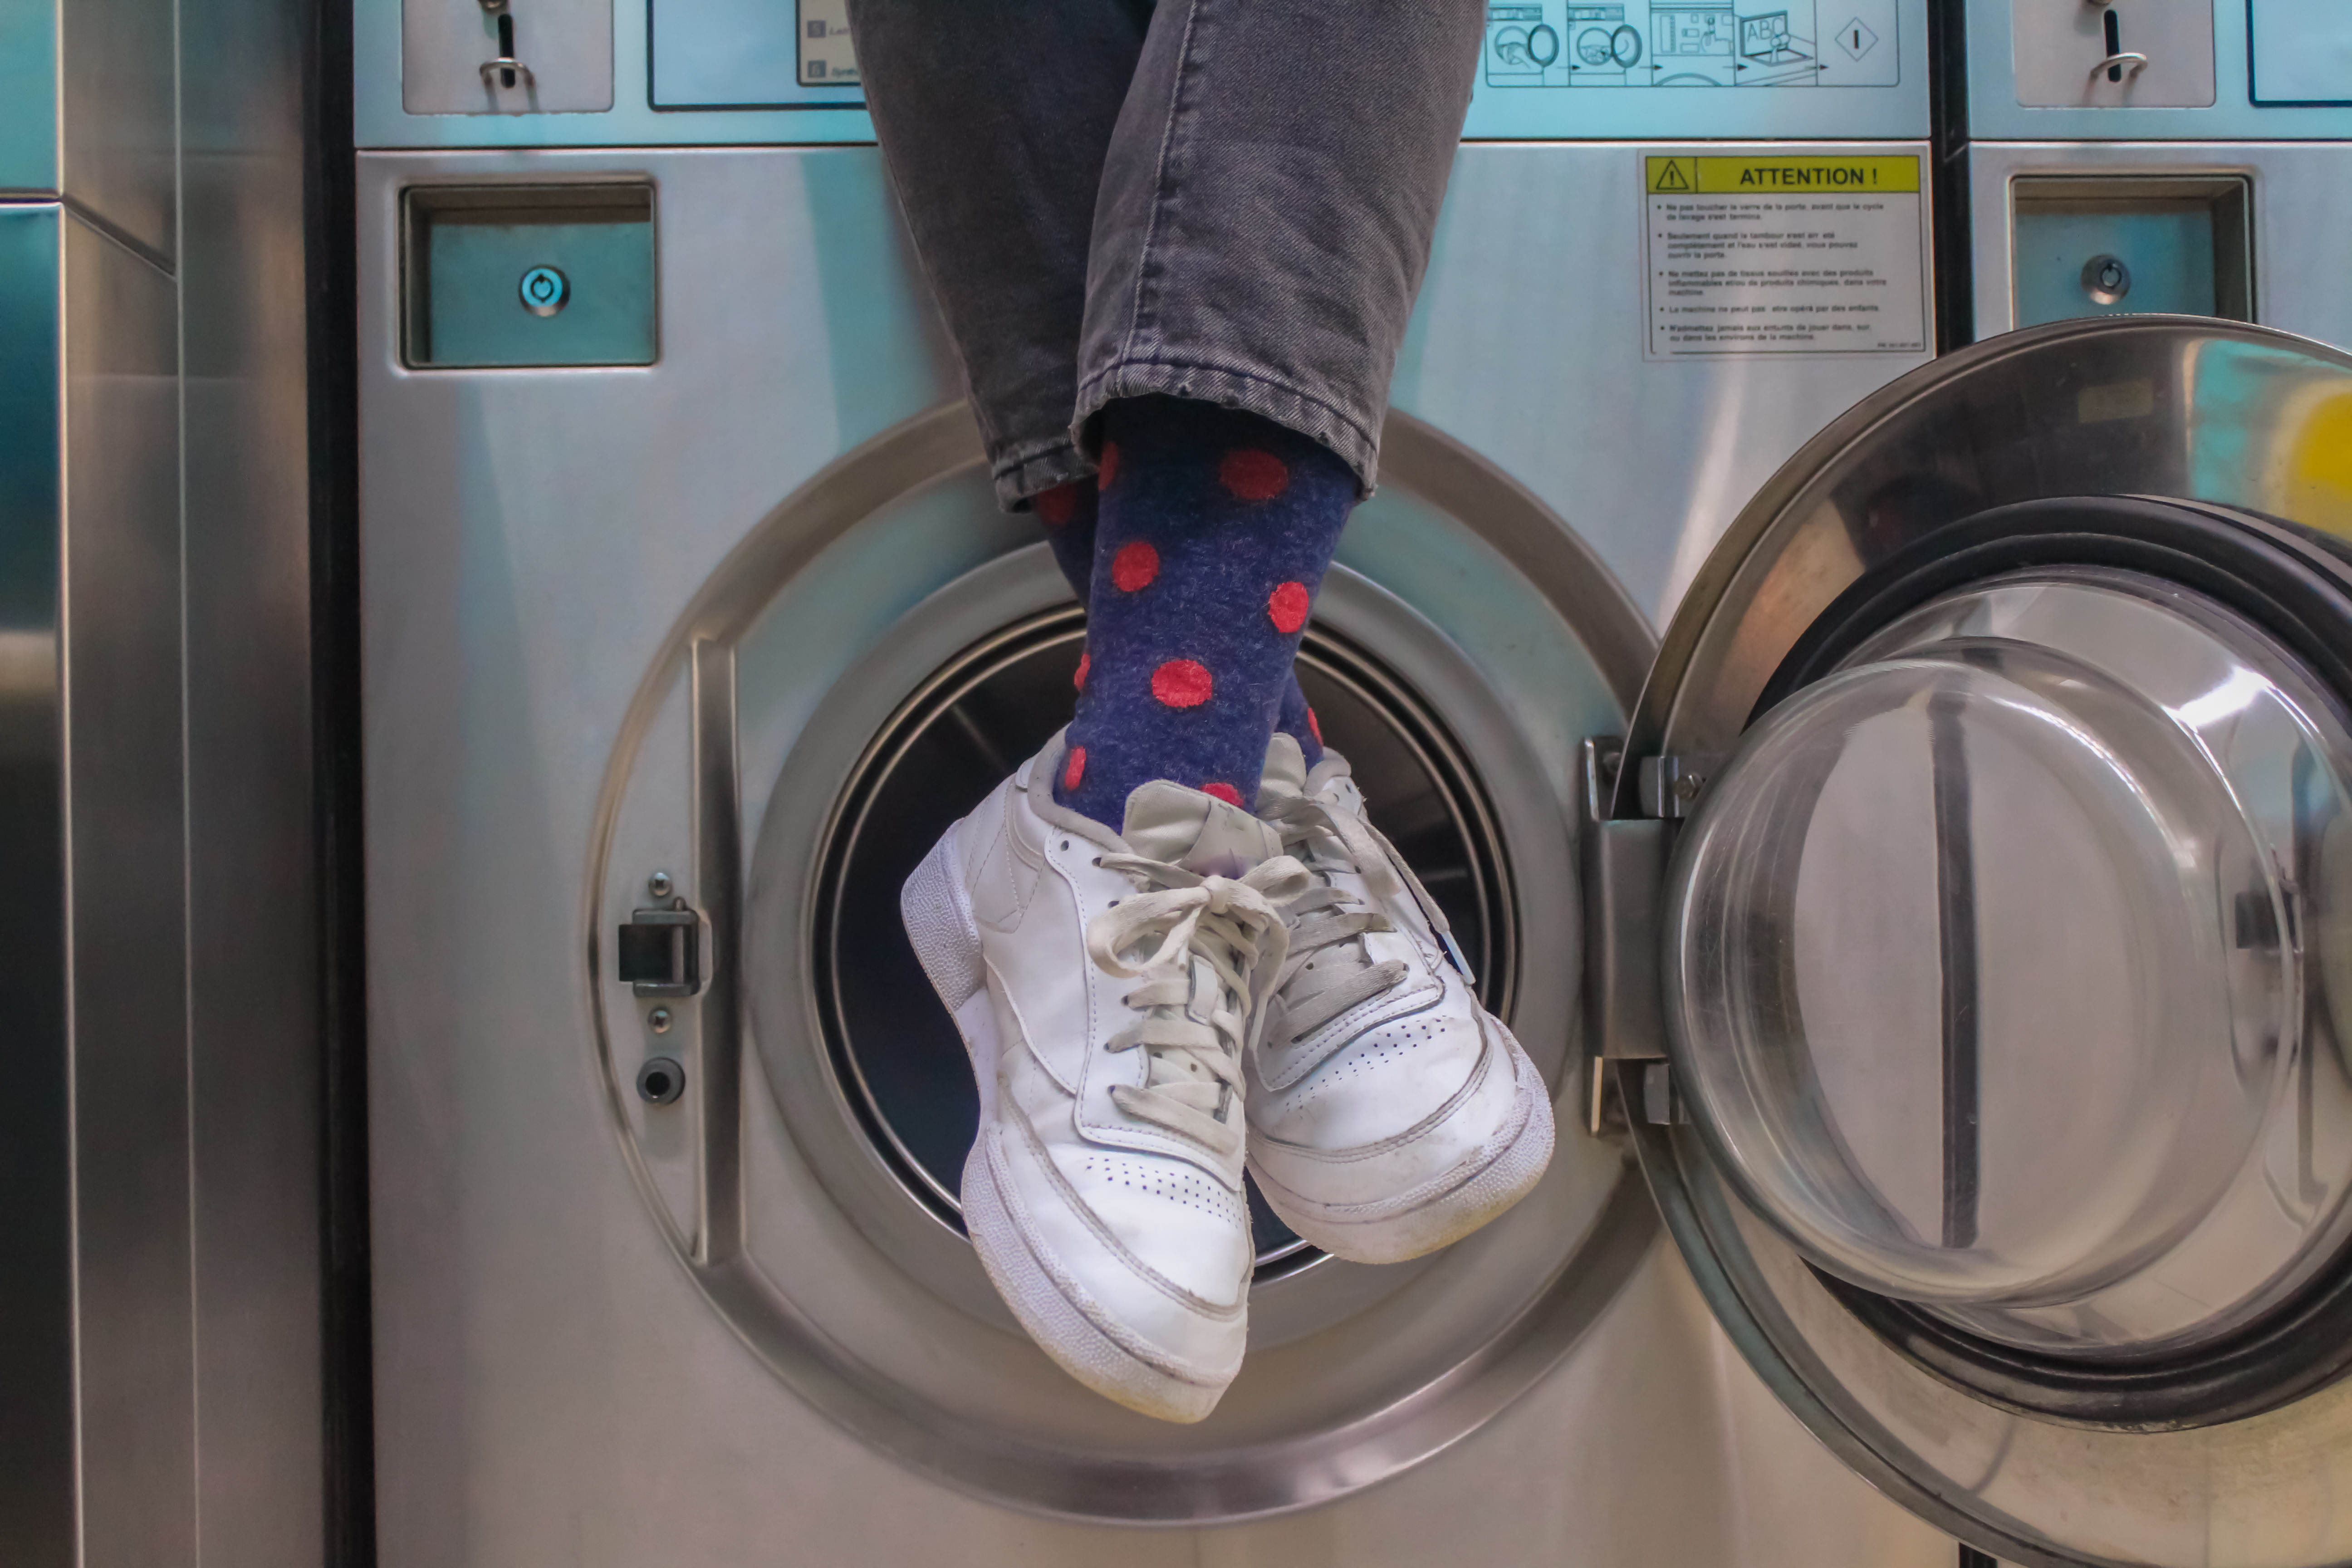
x=1356, y=445
x=1028, y=471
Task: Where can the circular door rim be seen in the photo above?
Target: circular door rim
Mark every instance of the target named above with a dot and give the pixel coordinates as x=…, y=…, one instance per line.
x=1703, y=641
x=1225, y=1487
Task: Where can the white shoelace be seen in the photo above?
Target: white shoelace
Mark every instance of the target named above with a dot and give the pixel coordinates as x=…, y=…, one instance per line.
x=1328, y=970
x=1206, y=985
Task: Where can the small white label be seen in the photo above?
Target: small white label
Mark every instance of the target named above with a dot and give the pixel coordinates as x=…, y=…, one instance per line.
x=828, y=59
x=1783, y=255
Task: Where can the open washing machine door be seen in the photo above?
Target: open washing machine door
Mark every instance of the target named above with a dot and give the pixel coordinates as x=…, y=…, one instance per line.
x=874, y=657
x=1971, y=905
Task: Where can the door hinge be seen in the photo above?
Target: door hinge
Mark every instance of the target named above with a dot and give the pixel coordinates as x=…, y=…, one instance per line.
x=1624, y=870
x=1669, y=787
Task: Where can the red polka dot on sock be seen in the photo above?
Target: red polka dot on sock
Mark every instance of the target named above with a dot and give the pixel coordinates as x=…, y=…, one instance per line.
x=1253, y=475
x=1134, y=568
x=1223, y=792
x=1286, y=607
x=1085, y=662
x=1057, y=506
x=1075, y=769
x=1181, y=683
x=1107, y=466
x=1314, y=727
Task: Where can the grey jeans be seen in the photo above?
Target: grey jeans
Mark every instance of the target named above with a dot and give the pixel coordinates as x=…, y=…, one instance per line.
x=1229, y=200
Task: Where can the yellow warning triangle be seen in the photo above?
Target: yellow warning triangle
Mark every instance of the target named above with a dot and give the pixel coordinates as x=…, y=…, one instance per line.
x=1671, y=177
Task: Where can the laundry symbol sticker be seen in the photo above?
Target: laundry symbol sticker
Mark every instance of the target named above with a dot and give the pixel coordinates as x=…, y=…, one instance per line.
x=544, y=290
x=1854, y=38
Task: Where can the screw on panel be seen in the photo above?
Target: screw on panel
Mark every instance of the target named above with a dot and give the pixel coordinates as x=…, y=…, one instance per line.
x=658, y=1020
x=659, y=885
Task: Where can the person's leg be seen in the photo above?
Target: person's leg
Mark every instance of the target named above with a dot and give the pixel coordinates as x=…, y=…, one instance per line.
x=1112, y=1221
x=1215, y=529
x=1267, y=205
x=1267, y=213
x=994, y=119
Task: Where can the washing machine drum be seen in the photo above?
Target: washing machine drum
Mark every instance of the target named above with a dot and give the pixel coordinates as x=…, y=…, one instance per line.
x=1959, y=927
x=1981, y=876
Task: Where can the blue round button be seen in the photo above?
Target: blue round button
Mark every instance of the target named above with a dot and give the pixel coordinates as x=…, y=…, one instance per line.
x=544, y=290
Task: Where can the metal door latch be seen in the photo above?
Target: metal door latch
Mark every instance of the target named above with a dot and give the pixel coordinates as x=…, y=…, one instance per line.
x=660, y=952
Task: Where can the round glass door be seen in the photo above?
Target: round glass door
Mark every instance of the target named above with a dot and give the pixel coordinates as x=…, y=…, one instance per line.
x=2004, y=963
x=2003, y=958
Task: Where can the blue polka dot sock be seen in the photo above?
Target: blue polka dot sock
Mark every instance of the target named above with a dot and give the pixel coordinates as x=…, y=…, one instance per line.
x=1213, y=532
x=1069, y=513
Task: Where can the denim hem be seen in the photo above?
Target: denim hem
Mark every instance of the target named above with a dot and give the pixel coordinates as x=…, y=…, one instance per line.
x=1262, y=395
x=1022, y=475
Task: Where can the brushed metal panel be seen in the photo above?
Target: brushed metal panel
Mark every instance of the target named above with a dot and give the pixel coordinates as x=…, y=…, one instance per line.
x=127, y=907
x=118, y=116
x=566, y=44
x=1527, y=347
x=36, y=1392
x=253, y=992
x=2056, y=48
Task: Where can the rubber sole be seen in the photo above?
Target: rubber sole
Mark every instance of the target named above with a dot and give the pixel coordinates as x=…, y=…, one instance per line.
x=1457, y=1204
x=937, y=914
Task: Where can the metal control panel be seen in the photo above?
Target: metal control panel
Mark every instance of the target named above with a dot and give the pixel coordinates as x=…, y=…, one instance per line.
x=568, y=73
x=2171, y=155
x=2210, y=71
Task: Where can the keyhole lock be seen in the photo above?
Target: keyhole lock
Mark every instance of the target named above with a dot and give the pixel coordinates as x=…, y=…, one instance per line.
x=660, y=1080
x=2106, y=279
x=544, y=290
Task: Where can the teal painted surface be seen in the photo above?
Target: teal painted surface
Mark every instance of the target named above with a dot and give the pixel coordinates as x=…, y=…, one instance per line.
x=2302, y=52
x=28, y=95
x=1722, y=69
x=30, y=454
x=741, y=54
x=1759, y=70
x=474, y=309
x=820, y=117
x=2169, y=253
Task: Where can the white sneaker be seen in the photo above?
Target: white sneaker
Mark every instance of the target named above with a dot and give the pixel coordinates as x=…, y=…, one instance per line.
x=1389, y=1114
x=1106, y=988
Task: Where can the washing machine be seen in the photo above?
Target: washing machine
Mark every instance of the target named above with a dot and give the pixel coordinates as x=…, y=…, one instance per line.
x=2166, y=155
x=688, y=621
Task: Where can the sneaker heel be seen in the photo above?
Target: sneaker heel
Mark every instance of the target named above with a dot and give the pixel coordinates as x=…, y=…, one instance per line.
x=939, y=926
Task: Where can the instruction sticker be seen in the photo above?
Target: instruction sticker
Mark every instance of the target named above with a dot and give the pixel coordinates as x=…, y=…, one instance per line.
x=1783, y=255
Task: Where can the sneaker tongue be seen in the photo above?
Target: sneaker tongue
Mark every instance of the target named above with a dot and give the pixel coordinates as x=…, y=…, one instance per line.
x=1204, y=835
x=1286, y=767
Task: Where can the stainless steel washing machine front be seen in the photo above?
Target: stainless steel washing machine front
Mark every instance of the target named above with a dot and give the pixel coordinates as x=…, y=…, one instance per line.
x=663, y=605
